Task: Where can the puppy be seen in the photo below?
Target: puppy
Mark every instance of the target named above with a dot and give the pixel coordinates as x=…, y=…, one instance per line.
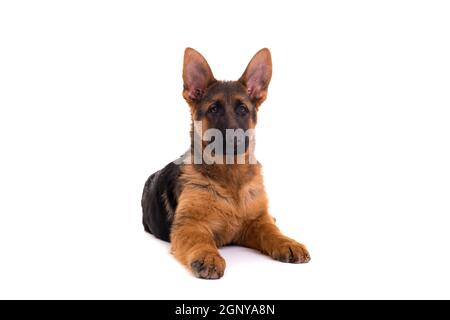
x=214, y=196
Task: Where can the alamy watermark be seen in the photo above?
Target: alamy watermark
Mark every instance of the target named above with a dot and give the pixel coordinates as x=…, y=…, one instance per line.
x=211, y=146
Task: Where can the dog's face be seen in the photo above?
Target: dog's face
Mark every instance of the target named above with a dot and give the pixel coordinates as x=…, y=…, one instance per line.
x=226, y=105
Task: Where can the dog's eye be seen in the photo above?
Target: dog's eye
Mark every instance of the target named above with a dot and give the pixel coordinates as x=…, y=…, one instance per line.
x=242, y=109
x=214, y=108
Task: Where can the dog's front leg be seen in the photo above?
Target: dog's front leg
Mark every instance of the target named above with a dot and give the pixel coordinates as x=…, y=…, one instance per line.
x=262, y=234
x=193, y=245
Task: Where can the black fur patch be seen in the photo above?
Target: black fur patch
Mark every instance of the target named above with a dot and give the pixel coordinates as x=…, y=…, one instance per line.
x=159, y=201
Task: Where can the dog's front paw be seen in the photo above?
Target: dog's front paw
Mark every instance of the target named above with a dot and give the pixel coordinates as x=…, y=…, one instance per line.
x=292, y=252
x=208, y=266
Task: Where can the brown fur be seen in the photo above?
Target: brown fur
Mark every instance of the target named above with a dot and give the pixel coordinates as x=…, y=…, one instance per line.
x=224, y=204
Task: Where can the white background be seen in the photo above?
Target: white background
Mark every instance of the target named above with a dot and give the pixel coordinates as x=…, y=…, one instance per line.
x=354, y=138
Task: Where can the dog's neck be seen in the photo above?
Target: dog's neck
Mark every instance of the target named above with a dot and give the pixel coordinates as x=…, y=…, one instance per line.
x=229, y=176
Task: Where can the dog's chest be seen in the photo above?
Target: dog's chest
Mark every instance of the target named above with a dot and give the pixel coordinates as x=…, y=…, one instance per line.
x=243, y=203
x=249, y=202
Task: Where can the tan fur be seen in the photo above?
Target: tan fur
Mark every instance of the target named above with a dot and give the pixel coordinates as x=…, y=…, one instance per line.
x=212, y=214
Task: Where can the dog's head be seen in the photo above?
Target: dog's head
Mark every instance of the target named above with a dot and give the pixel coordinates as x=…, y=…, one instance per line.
x=226, y=105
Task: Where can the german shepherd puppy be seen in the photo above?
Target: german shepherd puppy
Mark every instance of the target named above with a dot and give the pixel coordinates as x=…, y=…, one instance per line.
x=201, y=206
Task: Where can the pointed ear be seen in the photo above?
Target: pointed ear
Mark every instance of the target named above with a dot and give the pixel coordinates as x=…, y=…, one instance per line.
x=257, y=76
x=197, y=75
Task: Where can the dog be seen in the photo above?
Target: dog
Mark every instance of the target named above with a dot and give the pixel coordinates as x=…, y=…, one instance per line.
x=202, y=206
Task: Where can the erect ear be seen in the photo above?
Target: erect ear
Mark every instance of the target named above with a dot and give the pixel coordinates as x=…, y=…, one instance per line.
x=257, y=76
x=197, y=75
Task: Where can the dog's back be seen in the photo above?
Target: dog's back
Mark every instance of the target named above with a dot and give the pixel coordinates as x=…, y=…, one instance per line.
x=159, y=201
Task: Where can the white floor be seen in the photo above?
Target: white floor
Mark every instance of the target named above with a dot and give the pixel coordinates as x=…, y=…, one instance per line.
x=89, y=243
